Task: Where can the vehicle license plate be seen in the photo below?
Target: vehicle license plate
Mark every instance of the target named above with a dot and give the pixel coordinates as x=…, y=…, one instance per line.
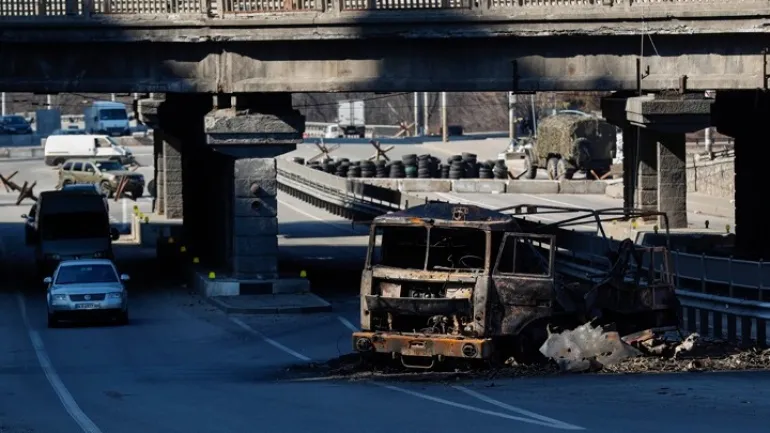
x=87, y=306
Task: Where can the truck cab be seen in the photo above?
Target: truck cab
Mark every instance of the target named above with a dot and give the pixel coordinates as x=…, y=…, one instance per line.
x=107, y=118
x=450, y=281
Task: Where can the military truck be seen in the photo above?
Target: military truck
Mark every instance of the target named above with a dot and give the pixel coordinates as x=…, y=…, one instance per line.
x=106, y=174
x=570, y=142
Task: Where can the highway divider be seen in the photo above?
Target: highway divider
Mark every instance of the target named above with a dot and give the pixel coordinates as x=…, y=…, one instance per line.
x=21, y=153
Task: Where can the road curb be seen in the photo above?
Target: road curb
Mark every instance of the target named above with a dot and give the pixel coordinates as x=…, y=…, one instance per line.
x=324, y=307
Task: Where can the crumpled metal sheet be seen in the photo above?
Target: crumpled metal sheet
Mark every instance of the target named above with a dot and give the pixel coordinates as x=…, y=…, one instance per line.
x=586, y=347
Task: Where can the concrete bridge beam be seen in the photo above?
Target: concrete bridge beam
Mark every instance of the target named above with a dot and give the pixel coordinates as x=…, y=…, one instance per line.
x=743, y=115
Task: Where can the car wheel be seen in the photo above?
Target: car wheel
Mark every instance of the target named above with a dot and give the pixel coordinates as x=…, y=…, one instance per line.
x=136, y=195
x=53, y=322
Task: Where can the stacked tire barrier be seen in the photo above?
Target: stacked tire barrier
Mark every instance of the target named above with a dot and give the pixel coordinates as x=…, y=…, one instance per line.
x=413, y=166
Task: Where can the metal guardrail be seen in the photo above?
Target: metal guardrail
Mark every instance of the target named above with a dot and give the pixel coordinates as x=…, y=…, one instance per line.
x=235, y=8
x=717, y=293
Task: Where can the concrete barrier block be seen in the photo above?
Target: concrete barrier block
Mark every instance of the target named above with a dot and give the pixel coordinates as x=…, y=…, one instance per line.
x=479, y=185
x=582, y=187
x=425, y=185
x=215, y=287
x=614, y=190
x=532, y=187
x=382, y=183
x=291, y=285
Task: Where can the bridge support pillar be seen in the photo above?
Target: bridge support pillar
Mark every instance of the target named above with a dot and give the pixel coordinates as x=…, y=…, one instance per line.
x=654, y=131
x=249, y=131
x=743, y=115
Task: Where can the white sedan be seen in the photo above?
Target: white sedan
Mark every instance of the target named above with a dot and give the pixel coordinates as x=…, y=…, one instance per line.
x=86, y=288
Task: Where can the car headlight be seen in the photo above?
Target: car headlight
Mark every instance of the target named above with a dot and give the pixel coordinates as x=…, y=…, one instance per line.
x=59, y=297
x=115, y=295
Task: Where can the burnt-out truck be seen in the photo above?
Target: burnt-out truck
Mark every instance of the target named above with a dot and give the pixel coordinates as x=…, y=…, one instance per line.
x=446, y=281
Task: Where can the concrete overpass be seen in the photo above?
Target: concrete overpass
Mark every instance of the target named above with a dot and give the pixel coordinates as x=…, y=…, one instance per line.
x=379, y=45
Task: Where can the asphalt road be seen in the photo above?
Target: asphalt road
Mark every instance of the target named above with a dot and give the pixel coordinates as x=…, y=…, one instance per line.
x=182, y=366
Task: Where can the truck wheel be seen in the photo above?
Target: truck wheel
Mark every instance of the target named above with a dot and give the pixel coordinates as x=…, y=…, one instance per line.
x=551, y=168
x=152, y=188
x=563, y=170
x=529, y=169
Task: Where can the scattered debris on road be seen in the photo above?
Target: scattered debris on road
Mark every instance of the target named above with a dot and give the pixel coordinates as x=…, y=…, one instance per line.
x=587, y=349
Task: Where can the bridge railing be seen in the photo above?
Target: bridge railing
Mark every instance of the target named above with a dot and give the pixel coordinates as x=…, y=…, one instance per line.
x=223, y=8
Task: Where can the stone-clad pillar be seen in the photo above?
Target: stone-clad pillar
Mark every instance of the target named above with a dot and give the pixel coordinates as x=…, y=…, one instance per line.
x=647, y=172
x=255, y=219
x=252, y=129
x=158, y=172
x=743, y=115
x=630, y=134
x=672, y=179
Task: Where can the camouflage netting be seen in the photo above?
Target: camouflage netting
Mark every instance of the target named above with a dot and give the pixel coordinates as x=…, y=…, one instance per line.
x=557, y=134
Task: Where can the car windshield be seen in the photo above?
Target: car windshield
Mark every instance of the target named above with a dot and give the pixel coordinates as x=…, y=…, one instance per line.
x=14, y=120
x=109, y=166
x=85, y=274
x=113, y=114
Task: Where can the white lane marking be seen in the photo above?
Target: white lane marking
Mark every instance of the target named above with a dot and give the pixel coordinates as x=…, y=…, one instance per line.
x=559, y=426
x=450, y=198
x=64, y=395
x=515, y=409
x=348, y=324
x=560, y=203
x=124, y=210
x=269, y=340
x=554, y=424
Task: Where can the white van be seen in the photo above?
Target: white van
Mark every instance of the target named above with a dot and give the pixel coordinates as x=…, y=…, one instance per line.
x=59, y=148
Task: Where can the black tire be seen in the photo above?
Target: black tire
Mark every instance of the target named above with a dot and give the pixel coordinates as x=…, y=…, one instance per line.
x=53, y=322
x=136, y=195
x=66, y=182
x=551, y=167
x=530, y=171
x=563, y=170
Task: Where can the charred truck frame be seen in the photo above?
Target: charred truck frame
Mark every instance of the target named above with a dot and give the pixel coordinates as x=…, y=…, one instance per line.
x=445, y=281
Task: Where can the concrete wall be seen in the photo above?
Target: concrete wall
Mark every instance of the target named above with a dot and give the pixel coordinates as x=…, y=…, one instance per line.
x=714, y=178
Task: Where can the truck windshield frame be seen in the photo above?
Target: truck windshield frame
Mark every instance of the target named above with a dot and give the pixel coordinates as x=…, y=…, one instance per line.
x=429, y=248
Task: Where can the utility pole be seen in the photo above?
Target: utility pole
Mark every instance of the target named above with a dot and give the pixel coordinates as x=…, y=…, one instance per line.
x=416, y=114
x=444, y=132
x=709, y=140
x=511, y=116
x=534, y=114
x=425, y=114
x=2, y=104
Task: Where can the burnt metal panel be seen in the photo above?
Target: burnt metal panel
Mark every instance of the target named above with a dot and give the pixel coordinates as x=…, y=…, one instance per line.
x=418, y=306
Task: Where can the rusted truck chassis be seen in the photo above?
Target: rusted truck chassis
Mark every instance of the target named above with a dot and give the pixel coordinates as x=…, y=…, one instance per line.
x=459, y=281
